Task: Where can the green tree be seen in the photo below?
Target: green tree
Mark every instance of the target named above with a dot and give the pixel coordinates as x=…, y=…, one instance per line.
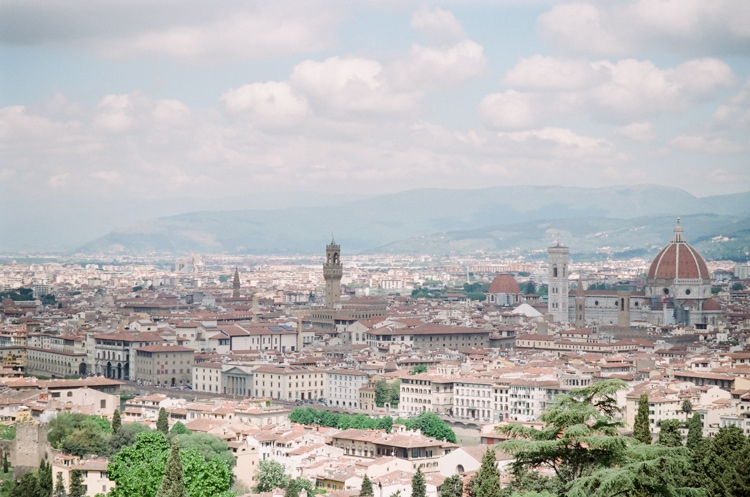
x=430, y=425
x=179, y=429
x=529, y=288
x=126, y=436
x=76, y=487
x=44, y=479
x=581, y=443
x=486, y=483
x=723, y=462
x=695, y=433
x=59, y=486
x=6, y=463
x=418, y=485
x=209, y=446
x=172, y=484
x=641, y=426
x=669, y=433
x=687, y=408
x=116, y=421
x=419, y=368
x=85, y=441
x=453, y=486
x=395, y=393
x=291, y=489
x=162, y=423
x=366, y=489
x=27, y=486
x=736, y=287
x=137, y=470
x=580, y=433
x=382, y=393
x=270, y=475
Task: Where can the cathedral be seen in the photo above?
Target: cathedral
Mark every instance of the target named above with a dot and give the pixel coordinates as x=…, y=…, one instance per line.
x=677, y=292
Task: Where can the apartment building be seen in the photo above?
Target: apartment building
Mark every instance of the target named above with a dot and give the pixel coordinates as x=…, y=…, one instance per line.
x=207, y=377
x=473, y=398
x=426, y=392
x=164, y=365
x=343, y=386
x=289, y=383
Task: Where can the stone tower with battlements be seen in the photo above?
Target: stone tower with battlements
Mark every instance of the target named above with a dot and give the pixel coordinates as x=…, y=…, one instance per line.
x=558, y=288
x=332, y=272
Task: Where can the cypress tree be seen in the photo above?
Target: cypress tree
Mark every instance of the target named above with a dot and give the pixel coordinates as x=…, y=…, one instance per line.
x=172, y=484
x=162, y=424
x=291, y=489
x=76, y=489
x=695, y=433
x=418, y=486
x=366, y=490
x=641, y=427
x=6, y=464
x=116, y=421
x=44, y=479
x=486, y=483
x=59, y=486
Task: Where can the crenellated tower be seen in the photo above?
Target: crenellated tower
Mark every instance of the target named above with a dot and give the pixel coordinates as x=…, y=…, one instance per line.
x=333, y=270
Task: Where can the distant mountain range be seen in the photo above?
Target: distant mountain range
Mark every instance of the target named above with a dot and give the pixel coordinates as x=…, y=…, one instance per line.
x=614, y=220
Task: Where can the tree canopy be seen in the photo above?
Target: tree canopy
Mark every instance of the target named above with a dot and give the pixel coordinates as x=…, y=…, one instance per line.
x=641, y=426
x=138, y=469
x=581, y=444
x=311, y=416
x=430, y=425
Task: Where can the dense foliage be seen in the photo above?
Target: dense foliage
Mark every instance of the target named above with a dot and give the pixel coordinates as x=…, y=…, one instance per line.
x=486, y=483
x=387, y=394
x=581, y=444
x=431, y=426
x=311, y=416
x=172, y=484
x=366, y=489
x=79, y=434
x=138, y=469
x=453, y=486
x=162, y=423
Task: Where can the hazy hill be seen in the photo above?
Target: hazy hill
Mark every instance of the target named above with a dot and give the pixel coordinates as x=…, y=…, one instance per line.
x=384, y=220
x=715, y=236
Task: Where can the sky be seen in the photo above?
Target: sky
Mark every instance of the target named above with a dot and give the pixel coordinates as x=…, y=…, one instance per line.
x=157, y=106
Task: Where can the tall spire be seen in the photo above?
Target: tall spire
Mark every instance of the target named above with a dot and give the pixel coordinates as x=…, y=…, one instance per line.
x=236, y=283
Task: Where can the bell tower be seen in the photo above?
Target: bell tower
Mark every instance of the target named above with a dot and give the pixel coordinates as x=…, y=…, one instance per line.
x=332, y=272
x=558, y=287
x=236, y=284
x=580, y=322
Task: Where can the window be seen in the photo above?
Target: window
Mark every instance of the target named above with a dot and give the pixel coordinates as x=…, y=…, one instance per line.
x=70, y=394
x=103, y=404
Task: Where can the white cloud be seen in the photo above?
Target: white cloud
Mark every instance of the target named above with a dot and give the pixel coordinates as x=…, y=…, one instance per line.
x=618, y=28
x=271, y=104
x=507, y=110
x=628, y=90
x=552, y=73
x=350, y=86
x=564, y=141
x=642, y=132
x=438, y=24
x=428, y=67
x=735, y=112
x=707, y=145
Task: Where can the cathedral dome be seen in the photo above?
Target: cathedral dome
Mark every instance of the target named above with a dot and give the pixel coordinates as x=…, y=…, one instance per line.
x=678, y=260
x=711, y=305
x=504, y=283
